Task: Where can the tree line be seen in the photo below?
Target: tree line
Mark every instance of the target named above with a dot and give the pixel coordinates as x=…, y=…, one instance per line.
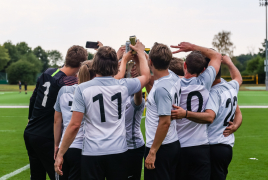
x=248, y=64
x=24, y=63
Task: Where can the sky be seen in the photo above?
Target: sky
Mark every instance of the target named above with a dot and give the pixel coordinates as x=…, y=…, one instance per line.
x=59, y=24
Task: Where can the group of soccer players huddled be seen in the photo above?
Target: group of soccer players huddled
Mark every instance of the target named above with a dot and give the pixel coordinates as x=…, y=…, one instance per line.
x=85, y=118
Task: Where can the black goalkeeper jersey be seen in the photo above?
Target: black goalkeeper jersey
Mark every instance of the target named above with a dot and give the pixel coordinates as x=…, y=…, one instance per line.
x=41, y=110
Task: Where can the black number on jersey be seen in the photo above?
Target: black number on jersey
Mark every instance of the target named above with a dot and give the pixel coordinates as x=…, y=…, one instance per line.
x=119, y=102
x=176, y=99
x=229, y=101
x=100, y=98
x=189, y=100
x=114, y=97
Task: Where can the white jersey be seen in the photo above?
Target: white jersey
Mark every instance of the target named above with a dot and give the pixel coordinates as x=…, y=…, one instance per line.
x=63, y=105
x=194, y=97
x=133, y=122
x=165, y=93
x=103, y=102
x=223, y=101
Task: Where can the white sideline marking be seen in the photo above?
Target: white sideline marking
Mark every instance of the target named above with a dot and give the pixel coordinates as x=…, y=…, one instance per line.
x=253, y=106
x=14, y=107
x=7, y=131
x=15, y=172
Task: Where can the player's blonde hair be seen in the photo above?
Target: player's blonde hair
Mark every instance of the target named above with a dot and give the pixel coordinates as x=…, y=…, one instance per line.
x=85, y=72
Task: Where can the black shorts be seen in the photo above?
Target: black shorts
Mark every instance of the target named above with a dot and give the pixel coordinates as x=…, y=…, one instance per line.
x=41, y=156
x=20, y=87
x=71, y=167
x=220, y=156
x=25, y=88
x=111, y=167
x=134, y=159
x=195, y=163
x=167, y=159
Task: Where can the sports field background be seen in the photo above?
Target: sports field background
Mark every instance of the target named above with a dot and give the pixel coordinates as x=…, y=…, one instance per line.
x=251, y=138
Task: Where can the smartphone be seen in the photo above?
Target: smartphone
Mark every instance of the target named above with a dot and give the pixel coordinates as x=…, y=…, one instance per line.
x=93, y=45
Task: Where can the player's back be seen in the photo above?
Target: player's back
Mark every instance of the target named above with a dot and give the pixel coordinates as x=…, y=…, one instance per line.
x=172, y=85
x=194, y=96
x=223, y=101
x=103, y=102
x=41, y=115
x=63, y=105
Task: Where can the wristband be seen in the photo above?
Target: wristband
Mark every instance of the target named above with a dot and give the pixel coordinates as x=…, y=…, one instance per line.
x=186, y=114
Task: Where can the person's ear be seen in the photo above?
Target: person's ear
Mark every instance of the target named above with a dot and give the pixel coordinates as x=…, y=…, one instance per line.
x=185, y=65
x=203, y=70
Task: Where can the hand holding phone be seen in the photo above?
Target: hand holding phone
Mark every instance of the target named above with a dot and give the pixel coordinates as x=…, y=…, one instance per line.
x=93, y=45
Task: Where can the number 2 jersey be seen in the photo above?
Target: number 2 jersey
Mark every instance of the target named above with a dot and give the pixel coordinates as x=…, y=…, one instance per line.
x=103, y=102
x=194, y=97
x=41, y=111
x=165, y=93
x=223, y=101
x=63, y=105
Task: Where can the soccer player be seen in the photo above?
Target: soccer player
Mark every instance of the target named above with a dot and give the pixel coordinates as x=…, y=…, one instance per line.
x=20, y=86
x=220, y=111
x=102, y=103
x=38, y=135
x=195, y=87
x=25, y=87
x=136, y=146
x=176, y=66
x=162, y=145
x=72, y=158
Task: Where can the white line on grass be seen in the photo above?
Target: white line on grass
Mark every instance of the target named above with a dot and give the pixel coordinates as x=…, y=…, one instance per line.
x=15, y=172
x=253, y=106
x=7, y=131
x=14, y=106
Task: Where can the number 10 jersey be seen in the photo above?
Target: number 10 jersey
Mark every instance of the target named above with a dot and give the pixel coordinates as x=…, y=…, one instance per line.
x=103, y=102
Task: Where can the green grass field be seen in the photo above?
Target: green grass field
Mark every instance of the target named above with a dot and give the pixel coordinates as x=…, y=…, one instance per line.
x=251, y=138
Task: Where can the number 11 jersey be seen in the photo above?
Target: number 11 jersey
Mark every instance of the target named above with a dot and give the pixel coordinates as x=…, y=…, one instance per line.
x=103, y=102
x=194, y=97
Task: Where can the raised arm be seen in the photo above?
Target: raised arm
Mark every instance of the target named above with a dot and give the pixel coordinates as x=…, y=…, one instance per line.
x=199, y=117
x=234, y=72
x=122, y=69
x=144, y=69
x=233, y=126
x=57, y=131
x=215, y=57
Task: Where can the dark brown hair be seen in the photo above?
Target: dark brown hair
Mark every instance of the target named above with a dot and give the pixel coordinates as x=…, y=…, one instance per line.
x=105, y=62
x=85, y=72
x=195, y=62
x=176, y=65
x=160, y=56
x=75, y=55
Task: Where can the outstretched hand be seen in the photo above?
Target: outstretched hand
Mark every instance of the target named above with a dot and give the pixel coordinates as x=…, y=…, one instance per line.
x=178, y=113
x=99, y=44
x=120, y=52
x=226, y=59
x=127, y=56
x=139, y=47
x=183, y=47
